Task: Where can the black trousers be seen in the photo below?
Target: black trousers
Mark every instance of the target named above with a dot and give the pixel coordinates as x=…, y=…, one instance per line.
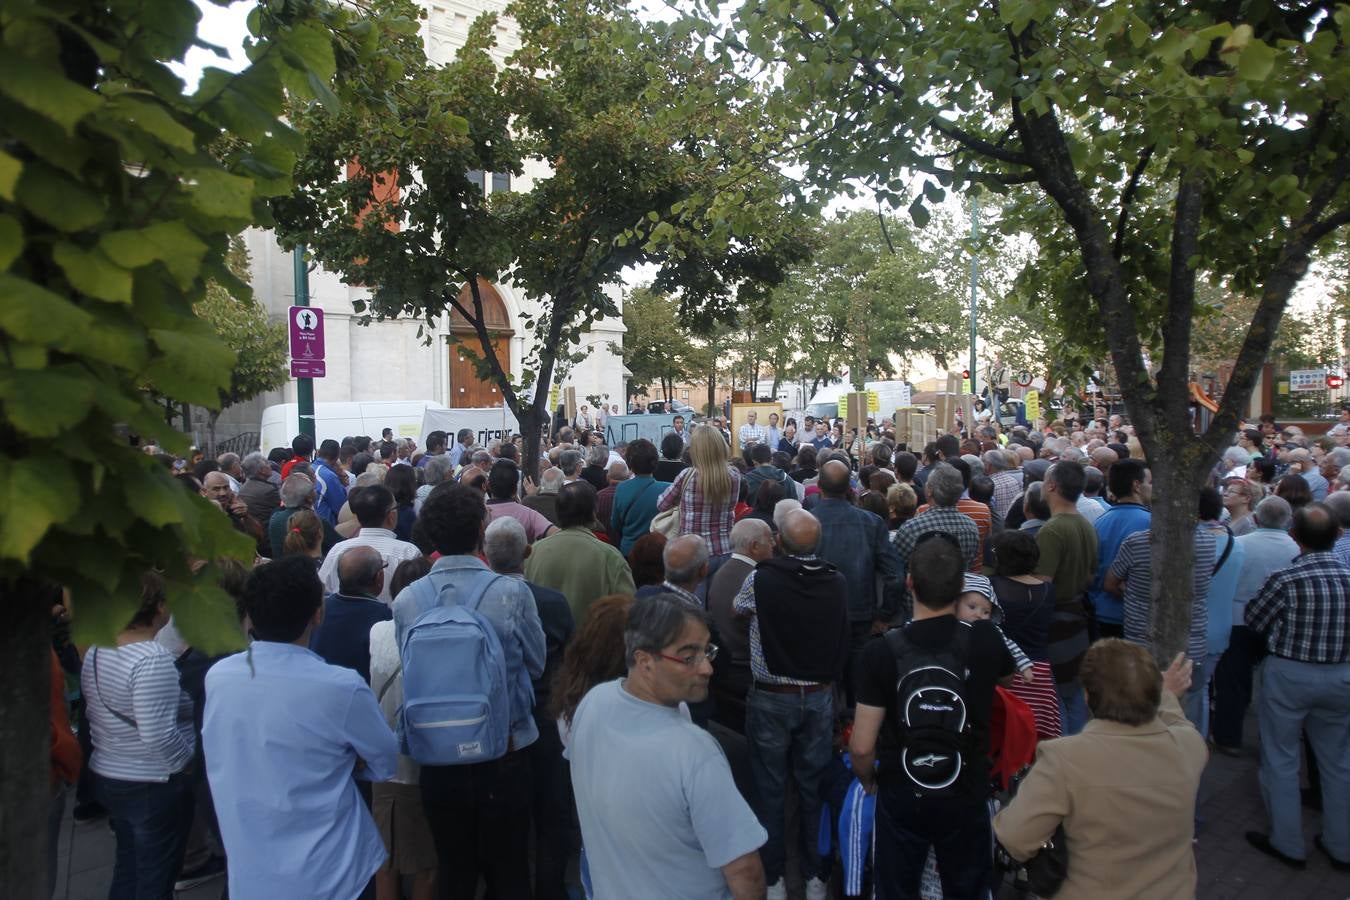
x=479, y=817
x=552, y=811
x=1233, y=686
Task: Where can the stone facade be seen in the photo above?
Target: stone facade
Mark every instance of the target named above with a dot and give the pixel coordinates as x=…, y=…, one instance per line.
x=389, y=360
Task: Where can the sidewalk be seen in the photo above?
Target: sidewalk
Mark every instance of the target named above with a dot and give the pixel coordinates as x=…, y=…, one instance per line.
x=1229, y=869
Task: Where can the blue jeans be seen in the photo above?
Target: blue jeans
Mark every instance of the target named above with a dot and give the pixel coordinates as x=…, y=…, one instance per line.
x=151, y=820
x=956, y=828
x=1073, y=711
x=797, y=731
x=1296, y=696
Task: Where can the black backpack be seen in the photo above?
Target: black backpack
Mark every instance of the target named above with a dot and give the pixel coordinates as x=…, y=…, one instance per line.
x=933, y=722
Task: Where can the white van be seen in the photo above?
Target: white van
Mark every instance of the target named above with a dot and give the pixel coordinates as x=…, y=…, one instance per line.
x=892, y=395
x=281, y=422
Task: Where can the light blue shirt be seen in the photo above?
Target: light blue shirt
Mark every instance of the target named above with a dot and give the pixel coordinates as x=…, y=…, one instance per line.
x=1221, y=589
x=509, y=606
x=1317, y=484
x=660, y=813
x=283, y=734
x=1265, y=552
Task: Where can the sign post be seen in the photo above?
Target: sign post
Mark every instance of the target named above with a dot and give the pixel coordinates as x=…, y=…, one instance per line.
x=306, y=329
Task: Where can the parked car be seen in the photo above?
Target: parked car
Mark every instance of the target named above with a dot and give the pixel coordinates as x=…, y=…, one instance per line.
x=673, y=407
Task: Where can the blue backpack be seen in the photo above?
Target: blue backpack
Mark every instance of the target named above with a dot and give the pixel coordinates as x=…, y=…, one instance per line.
x=456, y=705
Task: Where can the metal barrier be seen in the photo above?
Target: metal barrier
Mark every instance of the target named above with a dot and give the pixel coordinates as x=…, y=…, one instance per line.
x=242, y=444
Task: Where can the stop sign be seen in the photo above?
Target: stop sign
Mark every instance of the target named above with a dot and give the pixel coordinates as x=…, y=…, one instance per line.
x=1335, y=381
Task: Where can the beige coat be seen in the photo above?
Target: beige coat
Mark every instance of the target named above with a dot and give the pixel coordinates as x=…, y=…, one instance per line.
x=1126, y=796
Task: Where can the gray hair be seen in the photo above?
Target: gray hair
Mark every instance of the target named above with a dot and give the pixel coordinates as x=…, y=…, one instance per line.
x=974, y=462
x=570, y=462
x=551, y=481
x=494, y=447
x=368, y=478
x=996, y=460
x=254, y=465
x=697, y=559
x=297, y=490
x=782, y=508
x=227, y=460
x=438, y=469
x=1274, y=512
x=1236, y=456
x=504, y=545
x=1034, y=504
x=481, y=458
x=656, y=620
x=1338, y=456
x=1094, y=480
x=597, y=455
x=944, y=485
x=1072, y=454
x=1339, y=503
x=745, y=532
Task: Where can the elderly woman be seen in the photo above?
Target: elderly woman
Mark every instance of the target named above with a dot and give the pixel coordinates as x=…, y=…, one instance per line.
x=1240, y=497
x=1124, y=788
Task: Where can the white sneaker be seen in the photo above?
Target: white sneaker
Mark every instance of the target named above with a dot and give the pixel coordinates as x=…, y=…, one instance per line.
x=777, y=890
x=815, y=890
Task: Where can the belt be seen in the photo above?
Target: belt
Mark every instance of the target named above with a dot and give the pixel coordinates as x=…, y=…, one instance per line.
x=790, y=688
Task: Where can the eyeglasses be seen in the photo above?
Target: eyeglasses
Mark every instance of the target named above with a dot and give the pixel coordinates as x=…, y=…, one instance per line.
x=693, y=660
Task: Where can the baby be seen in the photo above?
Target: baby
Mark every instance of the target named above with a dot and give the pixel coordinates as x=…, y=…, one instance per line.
x=977, y=602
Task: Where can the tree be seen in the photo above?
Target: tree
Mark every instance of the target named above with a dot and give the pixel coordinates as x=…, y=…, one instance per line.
x=1143, y=145
x=636, y=178
x=118, y=193
x=656, y=348
x=241, y=324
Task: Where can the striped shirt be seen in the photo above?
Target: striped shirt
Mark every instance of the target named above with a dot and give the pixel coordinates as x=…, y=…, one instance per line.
x=1304, y=611
x=1133, y=565
x=391, y=550
x=745, y=603
x=140, y=717
x=712, y=521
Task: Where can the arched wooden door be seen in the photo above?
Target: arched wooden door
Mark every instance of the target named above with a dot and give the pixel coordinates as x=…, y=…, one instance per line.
x=467, y=389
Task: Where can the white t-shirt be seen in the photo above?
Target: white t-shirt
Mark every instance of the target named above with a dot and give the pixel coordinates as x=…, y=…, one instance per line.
x=660, y=813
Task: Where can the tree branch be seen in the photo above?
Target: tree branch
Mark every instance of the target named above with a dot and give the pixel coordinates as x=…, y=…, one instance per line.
x=979, y=145
x=1127, y=199
x=1173, y=376
x=484, y=338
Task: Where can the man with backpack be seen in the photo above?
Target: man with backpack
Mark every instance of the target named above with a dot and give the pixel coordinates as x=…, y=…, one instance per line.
x=921, y=733
x=470, y=642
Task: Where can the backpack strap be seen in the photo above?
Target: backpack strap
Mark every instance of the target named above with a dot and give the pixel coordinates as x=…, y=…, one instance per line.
x=389, y=682
x=1226, y=551
x=123, y=717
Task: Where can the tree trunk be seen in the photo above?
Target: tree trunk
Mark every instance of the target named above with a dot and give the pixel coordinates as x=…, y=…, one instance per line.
x=211, y=418
x=531, y=420
x=712, y=392
x=25, y=739
x=1176, y=497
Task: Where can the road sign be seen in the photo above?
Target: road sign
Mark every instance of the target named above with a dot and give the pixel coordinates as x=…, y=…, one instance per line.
x=1307, y=379
x=306, y=328
x=1335, y=380
x=1032, y=403
x=1023, y=379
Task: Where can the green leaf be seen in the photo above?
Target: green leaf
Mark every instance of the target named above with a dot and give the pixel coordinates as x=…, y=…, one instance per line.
x=156, y=121
x=919, y=213
x=35, y=314
x=205, y=614
x=171, y=243
x=11, y=240
x=35, y=493
x=45, y=91
x=155, y=497
x=10, y=168
x=221, y=195
x=92, y=273
x=43, y=404
x=57, y=199
x=1256, y=61
x=102, y=613
x=313, y=46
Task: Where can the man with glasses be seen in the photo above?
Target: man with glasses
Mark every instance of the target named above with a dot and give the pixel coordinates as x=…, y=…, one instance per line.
x=799, y=643
x=660, y=815
x=377, y=512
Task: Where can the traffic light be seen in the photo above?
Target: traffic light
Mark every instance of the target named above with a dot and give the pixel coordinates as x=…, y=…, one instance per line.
x=965, y=374
x=1335, y=380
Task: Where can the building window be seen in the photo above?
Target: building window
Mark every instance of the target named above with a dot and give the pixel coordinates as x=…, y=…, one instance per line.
x=684, y=395
x=501, y=181
x=476, y=177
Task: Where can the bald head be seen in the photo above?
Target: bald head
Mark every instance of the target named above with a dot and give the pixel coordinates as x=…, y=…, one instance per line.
x=833, y=480
x=1316, y=527
x=800, y=533
x=686, y=561
x=216, y=486
x=1104, y=457
x=361, y=571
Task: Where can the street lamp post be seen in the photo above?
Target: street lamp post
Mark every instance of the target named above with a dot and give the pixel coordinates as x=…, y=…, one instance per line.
x=304, y=387
x=974, y=279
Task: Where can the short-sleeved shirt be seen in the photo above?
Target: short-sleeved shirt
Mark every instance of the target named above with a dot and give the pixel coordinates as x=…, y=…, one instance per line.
x=533, y=521
x=1068, y=545
x=1134, y=566
x=660, y=813
x=988, y=661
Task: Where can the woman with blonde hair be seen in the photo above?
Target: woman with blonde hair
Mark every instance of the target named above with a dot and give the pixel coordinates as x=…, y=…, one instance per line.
x=304, y=536
x=706, y=493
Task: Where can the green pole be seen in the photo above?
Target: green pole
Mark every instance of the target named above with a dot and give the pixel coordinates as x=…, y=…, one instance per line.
x=304, y=387
x=974, y=279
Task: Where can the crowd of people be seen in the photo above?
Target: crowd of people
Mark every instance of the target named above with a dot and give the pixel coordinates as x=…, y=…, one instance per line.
x=458, y=674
